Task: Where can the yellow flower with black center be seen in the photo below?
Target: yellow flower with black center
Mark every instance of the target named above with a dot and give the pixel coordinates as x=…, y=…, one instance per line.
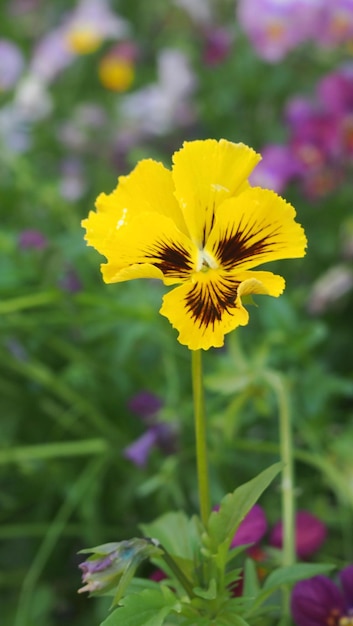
x=200, y=226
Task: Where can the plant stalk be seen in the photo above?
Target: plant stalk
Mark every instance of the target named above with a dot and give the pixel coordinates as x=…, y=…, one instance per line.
x=200, y=436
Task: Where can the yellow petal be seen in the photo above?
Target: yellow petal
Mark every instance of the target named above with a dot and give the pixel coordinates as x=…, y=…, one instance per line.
x=150, y=248
x=209, y=306
x=149, y=187
x=115, y=274
x=256, y=227
x=257, y=282
x=204, y=310
x=205, y=173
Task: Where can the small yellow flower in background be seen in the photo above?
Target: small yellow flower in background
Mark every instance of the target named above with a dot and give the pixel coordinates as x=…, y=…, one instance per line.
x=115, y=73
x=202, y=227
x=116, y=69
x=83, y=40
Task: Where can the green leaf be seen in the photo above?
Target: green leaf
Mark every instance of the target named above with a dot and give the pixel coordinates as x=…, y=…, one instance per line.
x=177, y=533
x=223, y=523
x=294, y=573
x=287, y=576
x=148, y=608
x=207, y=594
x=251, y=581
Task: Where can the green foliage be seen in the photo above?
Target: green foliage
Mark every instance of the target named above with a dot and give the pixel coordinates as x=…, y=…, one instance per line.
x=148, y=608
x=233, y=508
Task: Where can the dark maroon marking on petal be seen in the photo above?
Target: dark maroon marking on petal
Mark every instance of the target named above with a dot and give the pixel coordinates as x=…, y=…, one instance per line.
x=207, y=227
x=206, y=302
x=171, y=258
x=234, y=247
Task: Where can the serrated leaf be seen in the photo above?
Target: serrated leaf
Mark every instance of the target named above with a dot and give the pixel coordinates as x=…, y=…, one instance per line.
x=223, y=523
x=148, y=608
x=207, y=594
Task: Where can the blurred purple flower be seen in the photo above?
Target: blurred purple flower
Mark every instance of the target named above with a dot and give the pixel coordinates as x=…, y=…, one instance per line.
x=314, y=132
x=51, y=55
x=31, y=238
x=164, y=105
x=335, y=24
x=159, y=434
x=91, y=22
x=217, y=46
x=72, y=184
x=162, y=436
x=318, y=601
x=335, y=90
x=276, y=169
x=145, y=404
x=252, y=529
x=335, y=94
x=11, y=64
x=275, y=27
x=310, y=534
x=70, y=281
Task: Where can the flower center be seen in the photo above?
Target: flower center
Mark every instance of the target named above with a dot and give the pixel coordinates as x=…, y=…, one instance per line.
x=346, y=621
x=205, y=261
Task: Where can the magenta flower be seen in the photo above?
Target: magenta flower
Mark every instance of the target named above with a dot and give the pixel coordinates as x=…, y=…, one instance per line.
x=217, y=46
x=310, y=534
x=335, y=94
x=320, y=602
x=335, y=90
x=315, y=137
x=252, y=529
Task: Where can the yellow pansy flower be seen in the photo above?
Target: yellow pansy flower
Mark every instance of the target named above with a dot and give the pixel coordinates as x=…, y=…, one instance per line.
x=200, y=226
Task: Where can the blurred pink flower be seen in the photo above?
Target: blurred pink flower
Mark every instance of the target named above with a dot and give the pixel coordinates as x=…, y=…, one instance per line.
x=335, y=24
x=275, y=27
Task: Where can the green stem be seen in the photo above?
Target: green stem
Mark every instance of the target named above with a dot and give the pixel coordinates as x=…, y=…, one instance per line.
x=178, y=572
x=200, y=435
x=286, y=452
